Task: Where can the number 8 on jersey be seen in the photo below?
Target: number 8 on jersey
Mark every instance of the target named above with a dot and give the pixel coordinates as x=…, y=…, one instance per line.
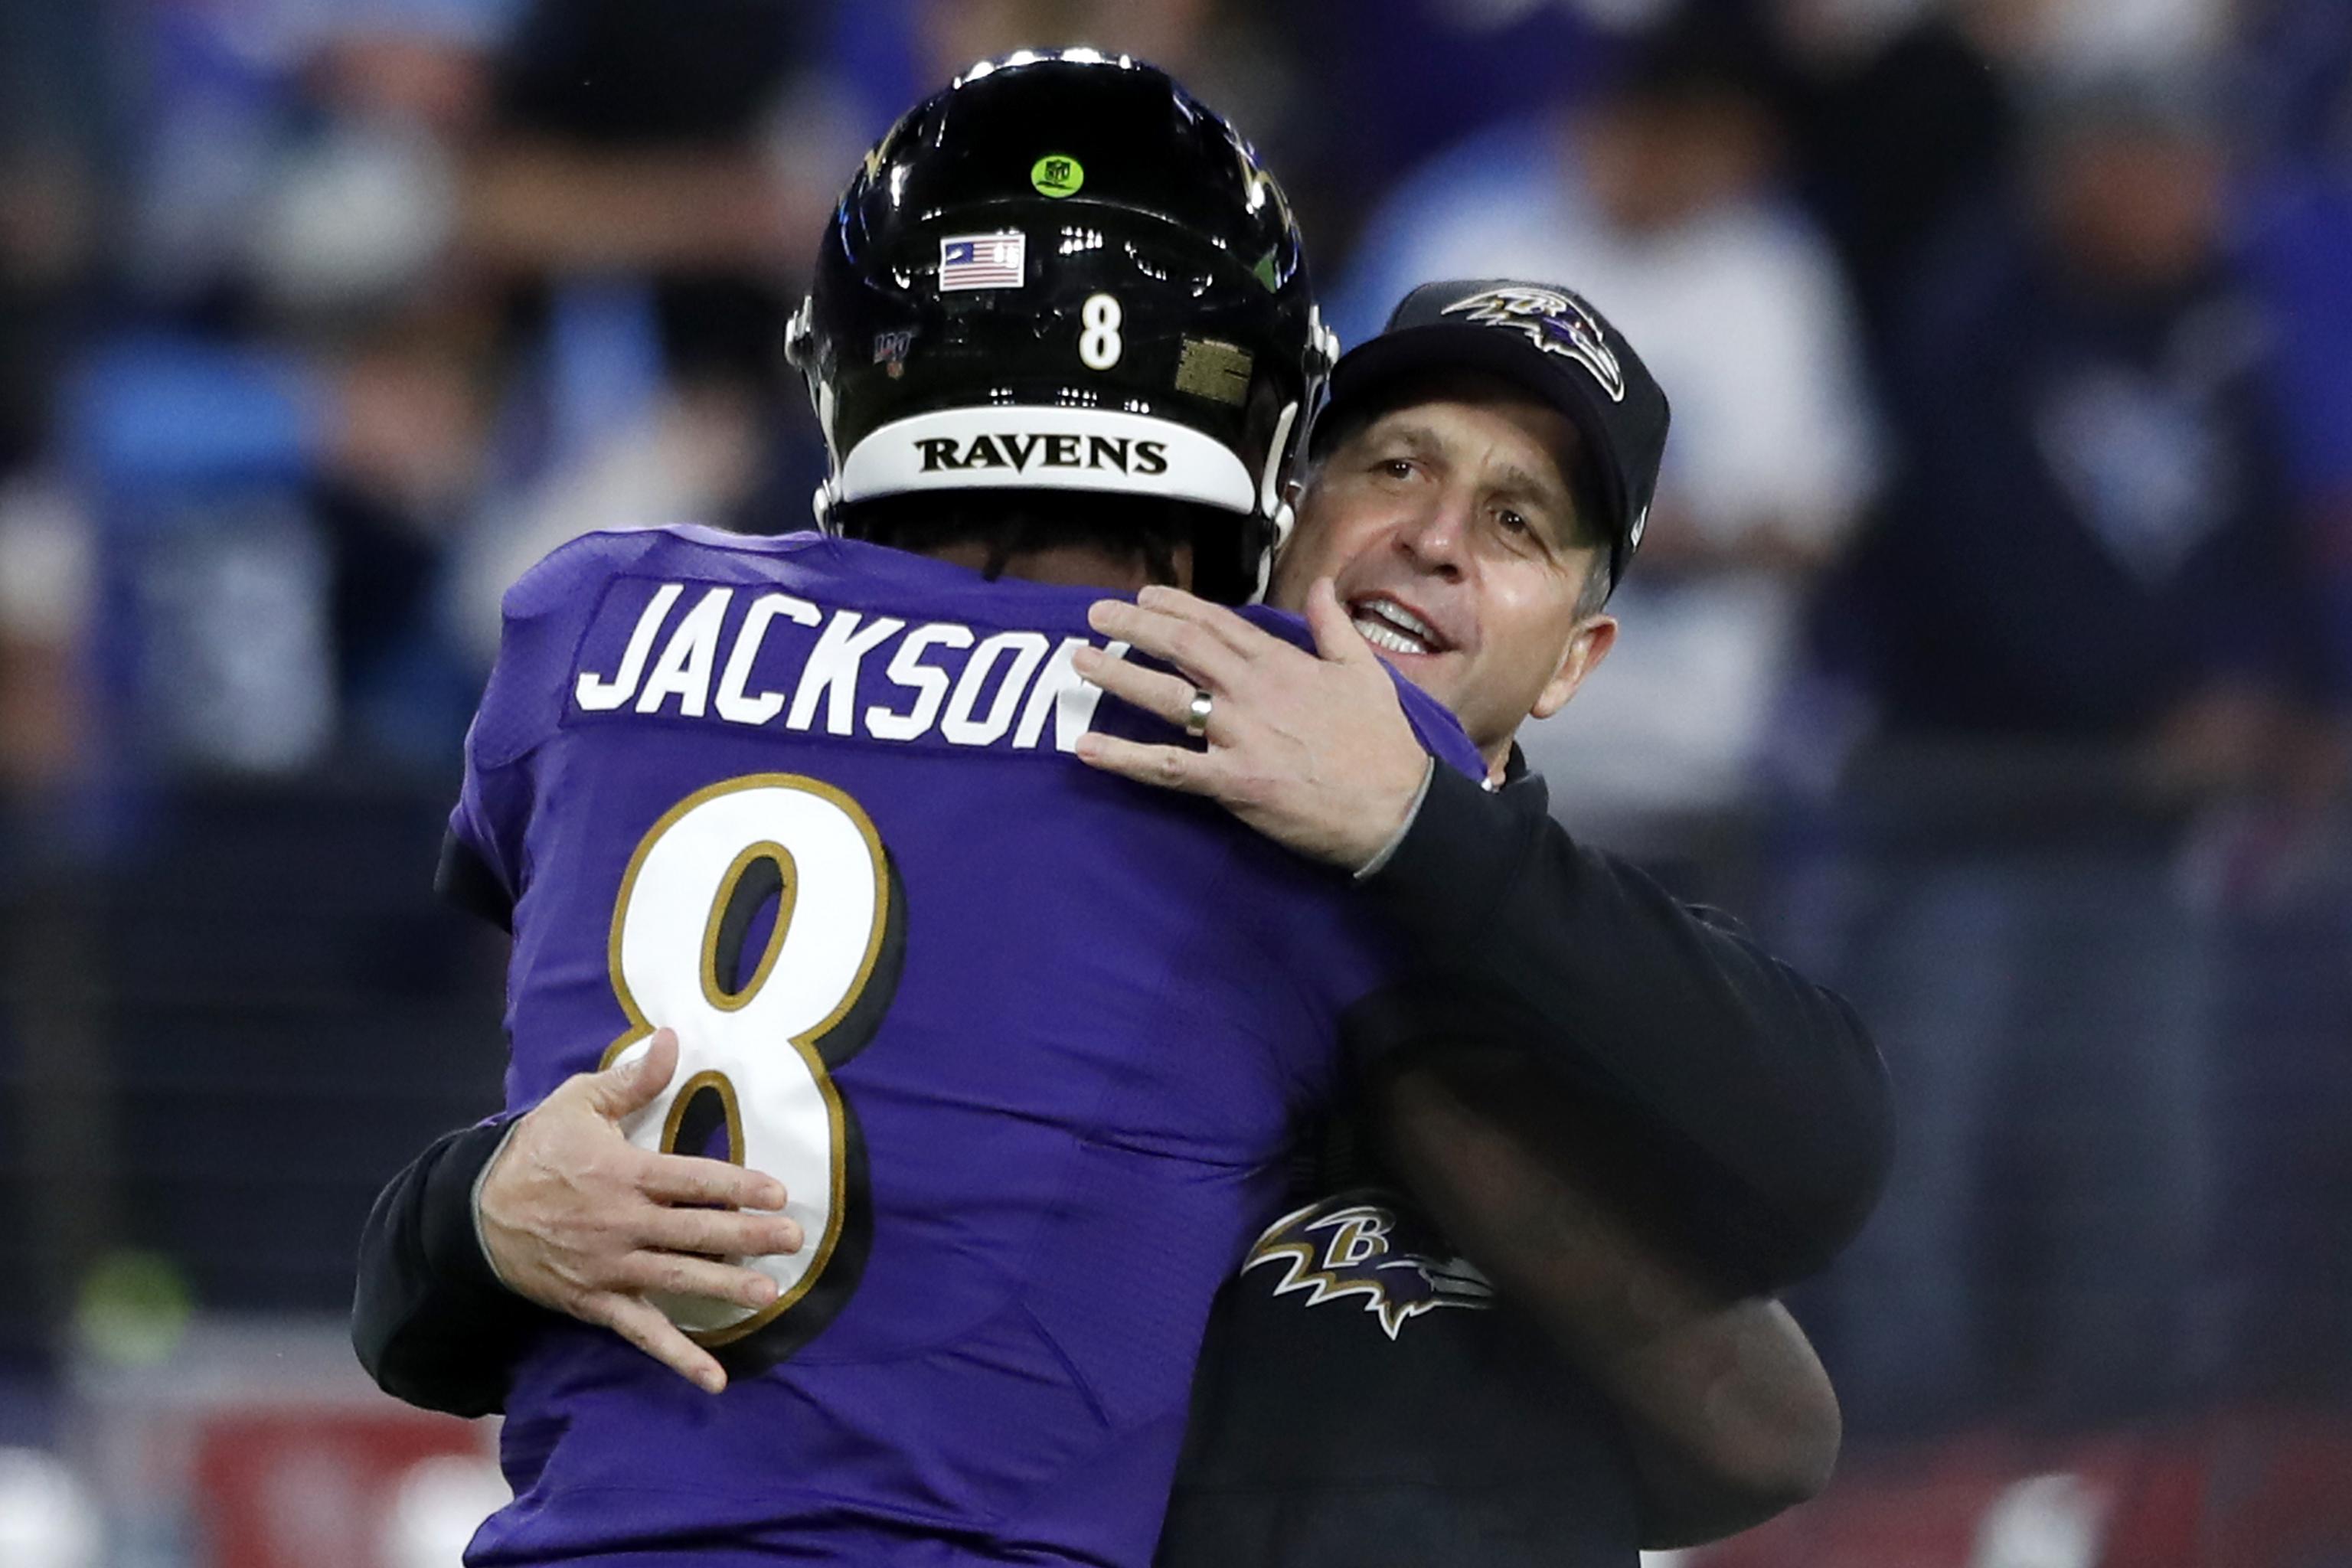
x=759, y=1049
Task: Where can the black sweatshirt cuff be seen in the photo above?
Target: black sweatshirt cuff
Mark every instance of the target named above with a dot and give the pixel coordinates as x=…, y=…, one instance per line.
x=1451, y=874
x=430, y=1321
x=453, y=1247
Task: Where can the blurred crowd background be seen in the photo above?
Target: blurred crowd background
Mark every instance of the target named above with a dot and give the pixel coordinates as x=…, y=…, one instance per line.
x=1989, y=652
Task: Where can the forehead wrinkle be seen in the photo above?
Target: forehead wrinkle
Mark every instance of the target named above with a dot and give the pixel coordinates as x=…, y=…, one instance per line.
x=1423, y=439
x=1415, y=435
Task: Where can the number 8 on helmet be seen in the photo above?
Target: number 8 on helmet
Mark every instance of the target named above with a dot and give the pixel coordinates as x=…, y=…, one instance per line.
x=1064, y=273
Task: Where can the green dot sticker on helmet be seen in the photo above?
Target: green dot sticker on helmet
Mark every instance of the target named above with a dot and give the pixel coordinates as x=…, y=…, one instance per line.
x=1057, y=175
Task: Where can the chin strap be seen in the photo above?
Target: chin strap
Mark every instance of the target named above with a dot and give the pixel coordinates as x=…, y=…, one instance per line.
x=1273, y=510
x=1323, y=353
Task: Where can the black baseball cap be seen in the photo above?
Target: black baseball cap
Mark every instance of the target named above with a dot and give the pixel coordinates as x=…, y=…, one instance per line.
x=1549, y=340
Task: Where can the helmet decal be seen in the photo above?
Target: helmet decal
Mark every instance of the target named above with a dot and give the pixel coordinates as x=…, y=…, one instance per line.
x=1554, y=323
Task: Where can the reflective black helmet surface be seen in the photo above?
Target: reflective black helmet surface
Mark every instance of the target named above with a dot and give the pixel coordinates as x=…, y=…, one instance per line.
x=1066, y=273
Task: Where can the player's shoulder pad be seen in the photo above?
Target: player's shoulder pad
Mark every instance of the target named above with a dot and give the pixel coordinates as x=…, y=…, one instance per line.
x=543, y=615
x=558, y=580
x=571, y=575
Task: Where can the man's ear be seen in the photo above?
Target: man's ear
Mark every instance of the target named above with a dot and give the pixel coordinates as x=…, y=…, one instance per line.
x=1587, y=647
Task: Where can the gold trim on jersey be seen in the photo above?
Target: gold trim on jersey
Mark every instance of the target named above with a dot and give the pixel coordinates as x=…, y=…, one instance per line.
x=719, y=1084
x=715, y=989
x=641, y=1027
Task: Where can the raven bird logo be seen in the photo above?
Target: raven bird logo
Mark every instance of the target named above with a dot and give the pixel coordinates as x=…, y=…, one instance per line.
x=1337, y=1248
x=1552, y=322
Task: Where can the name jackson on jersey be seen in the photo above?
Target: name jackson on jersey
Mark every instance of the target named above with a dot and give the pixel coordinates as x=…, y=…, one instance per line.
x=761, y=657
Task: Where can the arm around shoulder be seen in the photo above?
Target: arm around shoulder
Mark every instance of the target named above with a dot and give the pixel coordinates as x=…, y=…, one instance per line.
x=1729, y=1416
x=1764, y=1098
x=430, y=1321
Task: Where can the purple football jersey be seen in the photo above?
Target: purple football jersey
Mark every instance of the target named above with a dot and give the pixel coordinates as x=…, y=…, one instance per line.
x=1025, y=1042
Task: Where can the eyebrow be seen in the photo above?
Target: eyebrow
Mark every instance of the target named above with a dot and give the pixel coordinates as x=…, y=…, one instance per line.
x=1420, y=439
x=1512, y=479
x=1557, y=500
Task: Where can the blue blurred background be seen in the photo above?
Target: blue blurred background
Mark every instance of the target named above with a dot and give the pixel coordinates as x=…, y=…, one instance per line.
x=1989, y=652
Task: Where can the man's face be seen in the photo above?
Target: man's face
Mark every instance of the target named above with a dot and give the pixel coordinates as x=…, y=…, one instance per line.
x=1448, y=528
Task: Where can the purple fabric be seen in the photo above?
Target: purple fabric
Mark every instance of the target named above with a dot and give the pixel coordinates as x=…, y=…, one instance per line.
x=1115, y=1004
x=2298, y=253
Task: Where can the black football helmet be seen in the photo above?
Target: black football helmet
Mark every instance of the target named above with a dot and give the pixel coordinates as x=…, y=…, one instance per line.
x=1065, y=272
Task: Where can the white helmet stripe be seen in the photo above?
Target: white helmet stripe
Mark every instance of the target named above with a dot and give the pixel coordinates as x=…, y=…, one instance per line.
x=1019, y=447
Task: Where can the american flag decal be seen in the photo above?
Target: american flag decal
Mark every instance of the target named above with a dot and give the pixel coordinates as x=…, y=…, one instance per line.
x=982, y=261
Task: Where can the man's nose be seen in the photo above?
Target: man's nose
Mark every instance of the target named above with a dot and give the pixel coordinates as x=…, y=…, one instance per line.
x=1436, y=537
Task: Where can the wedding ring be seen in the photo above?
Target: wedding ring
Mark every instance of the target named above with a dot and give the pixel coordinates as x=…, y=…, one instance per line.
x=1196, y=717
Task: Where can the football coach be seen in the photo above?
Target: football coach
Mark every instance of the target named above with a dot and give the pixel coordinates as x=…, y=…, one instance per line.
x=1476, y=487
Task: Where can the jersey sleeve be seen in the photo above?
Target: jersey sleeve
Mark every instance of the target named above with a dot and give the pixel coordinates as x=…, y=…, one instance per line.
x=482, y=856
x=485, y=862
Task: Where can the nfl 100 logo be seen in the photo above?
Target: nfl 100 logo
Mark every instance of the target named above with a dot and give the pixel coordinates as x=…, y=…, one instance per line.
x=890, y=350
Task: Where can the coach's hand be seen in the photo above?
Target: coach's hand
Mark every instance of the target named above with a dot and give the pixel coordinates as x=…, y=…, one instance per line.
x=576, y=1218
x=1313, y=752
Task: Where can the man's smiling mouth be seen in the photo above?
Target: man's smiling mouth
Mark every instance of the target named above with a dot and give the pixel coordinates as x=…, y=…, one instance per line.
x=1387, y=625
